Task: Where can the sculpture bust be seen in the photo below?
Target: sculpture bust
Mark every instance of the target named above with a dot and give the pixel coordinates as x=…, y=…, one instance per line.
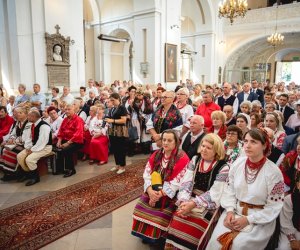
x=57, y=53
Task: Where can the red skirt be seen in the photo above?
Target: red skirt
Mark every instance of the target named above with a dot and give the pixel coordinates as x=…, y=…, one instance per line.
x=87, y=141
x=99, y=148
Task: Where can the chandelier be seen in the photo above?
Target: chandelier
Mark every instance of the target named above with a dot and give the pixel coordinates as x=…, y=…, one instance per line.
x=232, y=9
x=276, y=38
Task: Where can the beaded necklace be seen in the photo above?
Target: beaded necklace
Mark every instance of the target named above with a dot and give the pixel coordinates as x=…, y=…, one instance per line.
x=252, y=169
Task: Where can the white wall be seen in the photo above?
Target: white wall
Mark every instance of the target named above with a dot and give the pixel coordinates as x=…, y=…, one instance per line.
x=68, y=14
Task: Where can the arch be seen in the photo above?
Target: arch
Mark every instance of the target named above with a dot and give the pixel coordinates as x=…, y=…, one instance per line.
x=258, y=51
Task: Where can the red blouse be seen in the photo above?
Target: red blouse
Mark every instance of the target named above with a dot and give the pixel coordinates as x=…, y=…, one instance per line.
x=5, y=124
x=71, y=129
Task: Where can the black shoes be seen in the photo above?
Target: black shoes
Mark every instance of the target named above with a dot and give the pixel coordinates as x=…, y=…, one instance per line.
x=69, y=173
x=32, y=182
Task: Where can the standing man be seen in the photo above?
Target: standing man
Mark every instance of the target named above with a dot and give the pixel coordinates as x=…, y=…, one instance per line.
x=38, y=99
x=259, y=92
x=82, y=92
x=67, y=96
x=55, y=92
x=246, y=94
x=37, y=146
x=228, y=99
x=91, y=86
x=207, y=107
x=284, y=108
x=191, y=141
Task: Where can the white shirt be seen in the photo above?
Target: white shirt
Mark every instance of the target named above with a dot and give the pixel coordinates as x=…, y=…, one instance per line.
x=42, y=140
x=246, y=95
x=69, y=99
x=55, y=125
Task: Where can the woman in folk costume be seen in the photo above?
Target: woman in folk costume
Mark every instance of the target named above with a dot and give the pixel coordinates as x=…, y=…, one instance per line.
x=218, y=124
x=253, y=199
x=15, y=143
x=162, y=177
x=199, y=197
x=273, y=121
x=290, y=167
x=233, y=144
x=87, y=134
x=290, y=220
x=99, y=141
x=166, y=116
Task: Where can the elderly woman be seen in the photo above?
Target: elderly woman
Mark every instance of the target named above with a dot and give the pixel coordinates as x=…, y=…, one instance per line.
x=294, y=120
x=87, y=133
x=273, y=121
x=245, y=107
x=99, y=140
x=256, y=107
x=243, y=122
x=14, y=144
x=199, y=197
x=270, y=107
x=184, y=108
x=162, y=177
x=253, y=199
x=218, y=127
x=167, y=116
x=233, y=144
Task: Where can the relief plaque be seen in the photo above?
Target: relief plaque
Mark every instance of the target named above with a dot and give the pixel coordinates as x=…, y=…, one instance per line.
x=58, y=59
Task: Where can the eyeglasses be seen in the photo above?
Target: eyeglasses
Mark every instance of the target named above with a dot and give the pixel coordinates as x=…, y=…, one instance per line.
x=165, y=97
x=231, y=133
x=180, y=94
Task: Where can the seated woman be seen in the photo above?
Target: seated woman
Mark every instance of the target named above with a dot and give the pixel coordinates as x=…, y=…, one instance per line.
x=290, y=220
x=290, y=167
x=255, y=120
x=253, y=199
x=99, y=141
x=87, y=134
x=274, y=122
x=233, y=144
x=245, y=107
x=153, y=212
x=243, y=122
x=202, y=187
x=218, y=124
x=15, y=144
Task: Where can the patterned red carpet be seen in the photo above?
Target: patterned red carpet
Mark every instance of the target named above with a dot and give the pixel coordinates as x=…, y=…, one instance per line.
x=38, y=222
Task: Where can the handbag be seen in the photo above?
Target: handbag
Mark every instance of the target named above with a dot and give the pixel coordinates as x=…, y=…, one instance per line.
x=132, y=132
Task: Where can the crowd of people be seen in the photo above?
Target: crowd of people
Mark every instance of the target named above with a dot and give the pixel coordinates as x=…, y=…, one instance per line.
x=223, y=172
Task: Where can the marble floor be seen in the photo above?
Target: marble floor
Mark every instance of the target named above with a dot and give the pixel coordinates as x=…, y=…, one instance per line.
x=111, y=231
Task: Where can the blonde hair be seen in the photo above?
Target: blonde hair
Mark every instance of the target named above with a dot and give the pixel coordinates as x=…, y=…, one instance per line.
x=217, y=114
x=217, y=144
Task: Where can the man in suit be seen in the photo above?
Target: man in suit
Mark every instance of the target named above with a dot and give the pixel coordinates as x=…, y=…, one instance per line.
x=290, y=143
x=192, y=139
x=284, y=108
x=246, y=94
x=259, y=92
